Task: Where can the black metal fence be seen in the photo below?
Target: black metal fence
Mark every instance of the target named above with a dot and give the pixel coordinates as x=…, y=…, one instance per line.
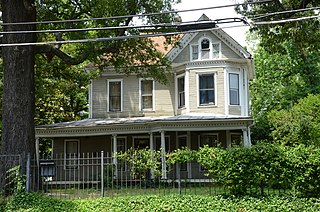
x=92, y=175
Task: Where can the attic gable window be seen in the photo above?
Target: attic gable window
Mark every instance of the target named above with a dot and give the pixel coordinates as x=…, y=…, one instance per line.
x=205, y=50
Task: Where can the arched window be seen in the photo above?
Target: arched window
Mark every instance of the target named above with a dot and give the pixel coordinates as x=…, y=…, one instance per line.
x=205, y=49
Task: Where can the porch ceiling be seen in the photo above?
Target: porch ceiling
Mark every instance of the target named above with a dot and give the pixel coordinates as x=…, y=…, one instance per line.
x=95, y=127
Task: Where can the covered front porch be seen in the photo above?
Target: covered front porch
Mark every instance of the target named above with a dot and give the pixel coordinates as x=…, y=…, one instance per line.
x=92, y=136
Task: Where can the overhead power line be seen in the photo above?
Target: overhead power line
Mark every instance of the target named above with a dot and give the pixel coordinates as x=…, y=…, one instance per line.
x=286, y=20
x=114, y=38
x=132, y=16
x=179, y=26
x=283, y=12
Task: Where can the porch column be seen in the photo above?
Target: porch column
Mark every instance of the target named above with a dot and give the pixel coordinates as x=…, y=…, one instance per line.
x=186, y=91
x=163, y=158
x=37, y=151
x=151, y=148
x=228, y=138
x=189, y=165
x=246, y=138
x=115, y=160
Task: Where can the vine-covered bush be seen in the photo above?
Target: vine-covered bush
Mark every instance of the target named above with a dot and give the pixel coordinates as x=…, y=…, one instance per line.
x=141, y=161
x=260, y=166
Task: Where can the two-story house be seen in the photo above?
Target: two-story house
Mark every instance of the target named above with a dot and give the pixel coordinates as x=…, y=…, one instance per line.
x=206, y=102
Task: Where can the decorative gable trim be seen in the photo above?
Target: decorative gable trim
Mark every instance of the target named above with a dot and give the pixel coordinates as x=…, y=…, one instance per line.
x=231, y=43
x=183, y=43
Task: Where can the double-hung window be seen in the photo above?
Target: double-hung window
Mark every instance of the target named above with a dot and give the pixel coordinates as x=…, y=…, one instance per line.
x=181, y=92
x=146, y=94
x=71, y=151
x=206, y=89
x=234, y=89
x=115, y=95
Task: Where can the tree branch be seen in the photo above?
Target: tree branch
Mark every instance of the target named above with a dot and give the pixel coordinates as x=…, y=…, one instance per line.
x=47, y=49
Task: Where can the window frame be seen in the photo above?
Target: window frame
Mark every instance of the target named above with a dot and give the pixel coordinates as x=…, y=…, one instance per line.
x=183, y=166
x=234, y=89
x=214, y=75
x=167, y=142
x=108, y=94
x=65, y=158
x=236, y=134
x=122, y=166
x=194, y=56
x=141, y=95
x=219, y=53
x=180, y=105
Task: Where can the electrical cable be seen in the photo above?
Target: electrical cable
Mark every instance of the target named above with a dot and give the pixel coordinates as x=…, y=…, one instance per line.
x=177, y=25
x=132, y=16
x=114, y=38
x=285, y=20
x=283, y=12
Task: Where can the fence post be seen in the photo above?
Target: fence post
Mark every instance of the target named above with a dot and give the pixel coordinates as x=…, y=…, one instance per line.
x=28, y=173
x=179, y=179
x=102, y=174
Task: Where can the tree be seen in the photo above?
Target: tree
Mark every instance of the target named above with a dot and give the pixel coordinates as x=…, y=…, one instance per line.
x=285, y=59
x=299, y=124
x=127, y=56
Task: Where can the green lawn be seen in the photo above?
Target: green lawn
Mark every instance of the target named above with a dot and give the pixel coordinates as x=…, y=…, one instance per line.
x=173, y=202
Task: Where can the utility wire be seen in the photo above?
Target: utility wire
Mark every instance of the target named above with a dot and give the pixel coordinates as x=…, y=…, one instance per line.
x=137, y=15
x=176, y=25
x=285, y=20
x=283, y=12
x=115, y=38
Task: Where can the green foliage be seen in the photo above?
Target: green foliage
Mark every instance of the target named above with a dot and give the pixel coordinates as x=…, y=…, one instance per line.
x=300, y=124
x=15, y=182
x=37, y=203
x=282, y=79
x=141, y=161
x=127, y=56
x=286, y=59
x=182, y=155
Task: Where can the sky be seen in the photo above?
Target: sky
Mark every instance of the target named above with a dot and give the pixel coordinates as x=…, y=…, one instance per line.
x=237, y=33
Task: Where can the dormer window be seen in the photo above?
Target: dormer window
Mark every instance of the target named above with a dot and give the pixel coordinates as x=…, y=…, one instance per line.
x=205, y=50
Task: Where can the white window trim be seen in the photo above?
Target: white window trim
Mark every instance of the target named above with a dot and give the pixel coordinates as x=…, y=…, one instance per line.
x=239, y=85
x=177, y=92
x=210, y=49
x=233, y=71
x=220, y=52
x=153, y=95
x=191, y=45
x=215, y=88
x=65, y=153
x=125, y=147
x=108, y=89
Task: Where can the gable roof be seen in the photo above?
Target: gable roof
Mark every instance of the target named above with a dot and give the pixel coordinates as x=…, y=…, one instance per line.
x=222, y=35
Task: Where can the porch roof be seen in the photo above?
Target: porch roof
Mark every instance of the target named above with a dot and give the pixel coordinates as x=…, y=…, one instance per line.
x=107, y=126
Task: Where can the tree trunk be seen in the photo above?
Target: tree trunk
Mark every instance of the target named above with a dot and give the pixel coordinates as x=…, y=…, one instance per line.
x=18, y=80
